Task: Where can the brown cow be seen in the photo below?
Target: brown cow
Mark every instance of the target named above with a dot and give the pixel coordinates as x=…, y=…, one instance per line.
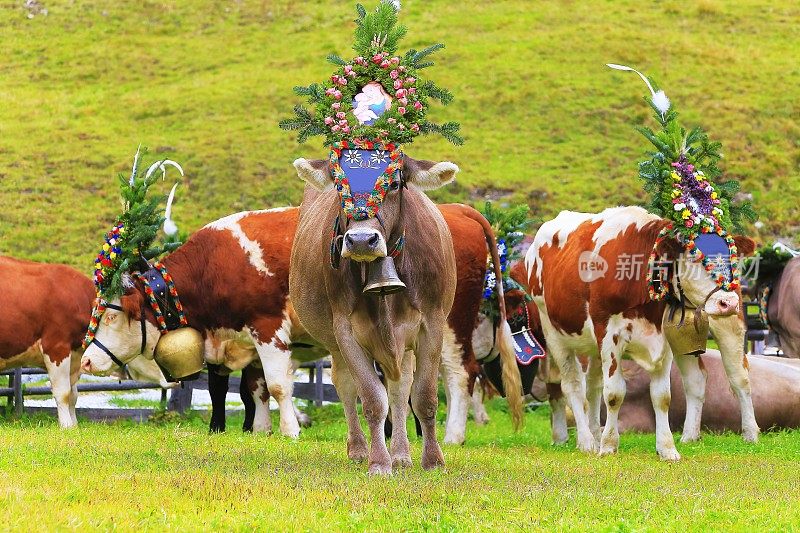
x=584, y=311
x=44, y=326
x=403, y=331
x=783, y=309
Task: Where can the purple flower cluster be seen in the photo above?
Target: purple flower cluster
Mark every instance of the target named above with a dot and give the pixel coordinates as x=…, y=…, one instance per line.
x=693, y=195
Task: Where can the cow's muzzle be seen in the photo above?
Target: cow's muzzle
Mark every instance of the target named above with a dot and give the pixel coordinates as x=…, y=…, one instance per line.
x=363, y=245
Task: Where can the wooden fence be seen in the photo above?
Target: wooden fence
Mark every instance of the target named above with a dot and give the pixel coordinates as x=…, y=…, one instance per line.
x=315, y=389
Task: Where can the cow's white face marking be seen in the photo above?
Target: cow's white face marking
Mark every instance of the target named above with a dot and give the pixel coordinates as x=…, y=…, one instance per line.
x=123, y=337
x=251, y=248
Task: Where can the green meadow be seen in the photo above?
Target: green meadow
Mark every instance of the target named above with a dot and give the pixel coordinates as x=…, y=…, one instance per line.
x=176, y=477
x=546, y=123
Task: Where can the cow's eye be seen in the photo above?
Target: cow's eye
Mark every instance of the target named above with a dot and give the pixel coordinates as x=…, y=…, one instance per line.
x=395, y=185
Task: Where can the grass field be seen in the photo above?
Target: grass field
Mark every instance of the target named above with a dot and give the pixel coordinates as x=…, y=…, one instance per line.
x=176, y=477
x=546, y=123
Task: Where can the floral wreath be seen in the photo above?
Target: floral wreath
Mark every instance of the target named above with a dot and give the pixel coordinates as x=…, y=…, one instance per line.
x=375, y=198
x=682, y=178
x=377, y=36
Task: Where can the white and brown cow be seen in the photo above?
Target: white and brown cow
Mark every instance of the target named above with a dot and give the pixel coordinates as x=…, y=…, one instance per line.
x=599, y=313
x=403, y=331
x=783, y=308
x=43, y=326
x=232, y=277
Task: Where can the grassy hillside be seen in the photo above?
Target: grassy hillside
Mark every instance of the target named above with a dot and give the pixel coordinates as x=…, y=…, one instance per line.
x=140, y=477
x=546, y=123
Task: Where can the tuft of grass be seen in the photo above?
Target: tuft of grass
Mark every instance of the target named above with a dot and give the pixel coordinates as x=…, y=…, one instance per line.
x=546, y=123
x=174, y=475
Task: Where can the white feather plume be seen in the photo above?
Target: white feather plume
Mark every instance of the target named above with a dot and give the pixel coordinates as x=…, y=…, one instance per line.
x=783, y=248
x=395, y=4
x=162, y=166
x=170, y=228
x=135, y=165
x=659, y=98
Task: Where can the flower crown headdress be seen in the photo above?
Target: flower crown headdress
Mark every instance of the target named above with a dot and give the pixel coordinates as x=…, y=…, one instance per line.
x=683, y=180
x=129, y=244
x=378, y=96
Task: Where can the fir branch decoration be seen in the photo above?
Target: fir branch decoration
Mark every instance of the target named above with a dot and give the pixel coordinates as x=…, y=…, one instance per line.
x=510, y=225
x=682, y=175
x=768, y=263
x=129, y=244
x=405, y=101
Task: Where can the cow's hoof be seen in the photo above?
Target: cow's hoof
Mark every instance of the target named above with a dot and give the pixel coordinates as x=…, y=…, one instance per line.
x=304, y=420
x=457, y=440
x=292, y=431
x=380, y=469
x=357, y=451
x=750, y=436
x=432, y=459
x=607, y=450
x=587, y=444
x=690, y=437
x=401, y=461
x=669, y=454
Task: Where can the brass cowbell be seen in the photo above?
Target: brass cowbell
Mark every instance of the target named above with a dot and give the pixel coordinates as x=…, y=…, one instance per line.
x=382, y=277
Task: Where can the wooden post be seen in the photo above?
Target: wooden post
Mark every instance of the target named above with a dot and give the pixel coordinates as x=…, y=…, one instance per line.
x=19, y=402
x=319, y=390
x=181, y=398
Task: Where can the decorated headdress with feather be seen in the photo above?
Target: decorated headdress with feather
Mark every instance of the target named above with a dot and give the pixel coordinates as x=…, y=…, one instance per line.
x=130, y=242
x=685, y=185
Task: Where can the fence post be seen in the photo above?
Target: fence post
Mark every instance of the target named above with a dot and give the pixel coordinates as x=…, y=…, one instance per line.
x=181, y=398
x=19, y=402
x=319, y=389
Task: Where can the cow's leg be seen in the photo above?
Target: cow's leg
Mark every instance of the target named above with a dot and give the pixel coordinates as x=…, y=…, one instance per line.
x=348, y=393
x=218, y=390
x=74, y=376
x=276, y=362
x=456, y=381
x=572, y=384
x=660, y=396
x=424, y=397
x=694, y=378
x=594, y=394
x=59, y=372
x=551, y=375
x=399, y=392
x=478, y=409
x=729, y=332
x=613, y=393
x=303, y=419
x=262, y=421
x=246, y=387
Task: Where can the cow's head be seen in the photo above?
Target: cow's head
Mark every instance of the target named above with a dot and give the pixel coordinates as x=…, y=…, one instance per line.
x=120, y=333
x=369, y=236
x=698, y=285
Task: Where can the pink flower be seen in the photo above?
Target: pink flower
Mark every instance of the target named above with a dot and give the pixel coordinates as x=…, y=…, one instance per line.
x=330, y=91
x=401, y=93
x=335, y=127
x=385, y=64
x=346, y=129
x=417, y=105
x=395, y=60
x=391, y=120
x=360, y=60
x=398, y=84
x=401, y=68
x=415, y=127
x=689, y=223
x=343, y=123
x=328, y=120
x=394, y=74
x=402, y=111
x=377, y=58
x=336, y=105
x=337, y=94
x=412, y=90
x=403, y=101
x=340, y=115
x=410, y=81
x=401, y=127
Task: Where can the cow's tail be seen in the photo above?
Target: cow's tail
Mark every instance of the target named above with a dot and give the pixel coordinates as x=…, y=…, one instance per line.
x=512, y=382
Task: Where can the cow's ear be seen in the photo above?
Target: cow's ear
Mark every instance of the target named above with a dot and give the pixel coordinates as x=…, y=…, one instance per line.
x=744, y=245
x=131, y=304
x=314, y=172
x=670, y=248
x=428, y=175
